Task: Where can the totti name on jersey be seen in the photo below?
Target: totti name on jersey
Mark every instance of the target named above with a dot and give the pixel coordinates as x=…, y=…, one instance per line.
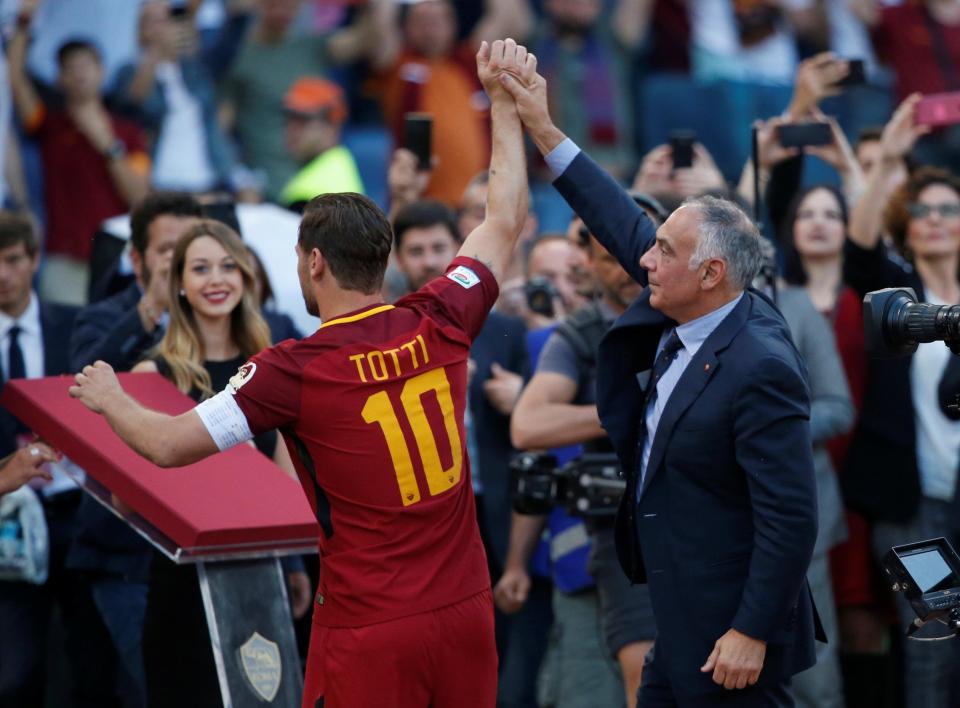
x=380, y=365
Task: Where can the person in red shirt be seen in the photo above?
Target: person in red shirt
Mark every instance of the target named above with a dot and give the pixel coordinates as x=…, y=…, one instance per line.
x=371, y=407
x=95, y=164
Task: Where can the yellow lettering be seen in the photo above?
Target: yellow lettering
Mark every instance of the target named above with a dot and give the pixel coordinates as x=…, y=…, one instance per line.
x=423, y=347
x=396, y=361
x=413, y=354
x=375, y=361
x=358, y=358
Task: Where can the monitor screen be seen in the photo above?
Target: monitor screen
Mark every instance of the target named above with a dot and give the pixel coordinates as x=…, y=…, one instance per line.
x=930, y=571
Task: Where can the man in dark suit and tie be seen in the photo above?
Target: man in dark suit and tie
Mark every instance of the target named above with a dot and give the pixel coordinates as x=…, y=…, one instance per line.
x=704, y=396
x=32, y=337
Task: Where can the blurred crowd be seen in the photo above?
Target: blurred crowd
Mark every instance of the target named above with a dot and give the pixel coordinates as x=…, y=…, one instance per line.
x=131, y=132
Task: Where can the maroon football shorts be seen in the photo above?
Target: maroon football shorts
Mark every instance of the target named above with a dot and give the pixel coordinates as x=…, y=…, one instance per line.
x=445, y=658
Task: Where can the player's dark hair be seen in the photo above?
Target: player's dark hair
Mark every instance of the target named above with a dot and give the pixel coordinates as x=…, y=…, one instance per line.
x=73, y=46
x=352, y=234
x=155, y=205
x=16, y=229
x=422, y=215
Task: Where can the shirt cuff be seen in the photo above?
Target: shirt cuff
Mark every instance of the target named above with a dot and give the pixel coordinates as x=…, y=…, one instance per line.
x=559, y=159
x=223, y=419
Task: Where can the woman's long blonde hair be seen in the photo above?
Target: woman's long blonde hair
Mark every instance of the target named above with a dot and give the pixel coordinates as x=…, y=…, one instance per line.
x=182, y=346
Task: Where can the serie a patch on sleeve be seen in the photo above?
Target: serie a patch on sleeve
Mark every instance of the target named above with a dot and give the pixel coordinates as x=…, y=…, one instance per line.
x=464, y=277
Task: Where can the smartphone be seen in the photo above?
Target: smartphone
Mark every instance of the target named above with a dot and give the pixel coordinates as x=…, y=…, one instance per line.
x=939, y=109
x=418, y=137
x=681, y=147
x=799, y=134
x=855, y=75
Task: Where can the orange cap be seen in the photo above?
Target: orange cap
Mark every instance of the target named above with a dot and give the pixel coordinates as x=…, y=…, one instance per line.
x=311, y=96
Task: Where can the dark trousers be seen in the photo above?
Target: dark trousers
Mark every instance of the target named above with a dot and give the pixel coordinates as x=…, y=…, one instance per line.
x=25, y=613
x=657, y=692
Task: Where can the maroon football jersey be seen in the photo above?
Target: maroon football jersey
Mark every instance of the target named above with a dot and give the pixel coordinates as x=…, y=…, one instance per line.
x=372, y=407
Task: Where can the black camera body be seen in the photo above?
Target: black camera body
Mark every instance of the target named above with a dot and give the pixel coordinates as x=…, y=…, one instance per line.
x=589, y=486
x=540, y=293
x=895, y=323
x=928, y=574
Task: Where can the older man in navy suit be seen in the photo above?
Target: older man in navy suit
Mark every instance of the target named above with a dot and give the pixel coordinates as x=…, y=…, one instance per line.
x=705, y=398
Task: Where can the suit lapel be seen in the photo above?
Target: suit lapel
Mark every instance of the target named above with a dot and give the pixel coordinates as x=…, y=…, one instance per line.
x=694, y=379
x=627, y=348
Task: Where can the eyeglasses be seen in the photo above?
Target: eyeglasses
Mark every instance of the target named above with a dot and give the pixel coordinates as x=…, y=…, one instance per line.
x=922, y=211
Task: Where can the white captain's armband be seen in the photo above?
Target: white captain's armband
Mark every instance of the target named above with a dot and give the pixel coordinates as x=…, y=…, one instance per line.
x=224, y=420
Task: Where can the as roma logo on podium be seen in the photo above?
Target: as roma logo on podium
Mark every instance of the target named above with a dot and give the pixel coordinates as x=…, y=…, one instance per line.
x=262, y=666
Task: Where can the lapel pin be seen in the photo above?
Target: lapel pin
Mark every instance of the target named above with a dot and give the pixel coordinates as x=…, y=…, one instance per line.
x=706, y=367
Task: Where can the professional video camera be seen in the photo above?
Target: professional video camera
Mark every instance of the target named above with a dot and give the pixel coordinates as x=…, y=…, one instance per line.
x=928, y=574
x=895, y=323
x=590, y=485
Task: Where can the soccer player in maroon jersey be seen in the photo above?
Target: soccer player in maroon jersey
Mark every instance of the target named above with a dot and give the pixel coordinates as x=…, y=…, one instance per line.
x=371, y=407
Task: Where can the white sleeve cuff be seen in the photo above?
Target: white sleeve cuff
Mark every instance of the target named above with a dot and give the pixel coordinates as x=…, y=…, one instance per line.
x=559, y=159
x=224, y=420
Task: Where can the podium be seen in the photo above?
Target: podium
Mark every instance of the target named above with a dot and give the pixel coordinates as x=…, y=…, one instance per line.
x=233, y=515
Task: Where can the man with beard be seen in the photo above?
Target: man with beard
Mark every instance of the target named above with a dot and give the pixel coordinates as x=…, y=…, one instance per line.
x=372, y=407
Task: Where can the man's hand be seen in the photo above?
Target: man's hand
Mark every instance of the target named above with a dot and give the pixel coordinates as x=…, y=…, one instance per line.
x=702, y=176
x=769, y=150
x=655, y=171
x=96, y=385
x=26, y=464
x=502, y=388
x=156, y=297
x=492, y=60
x=736, y=660
x=298, y=585
x=511, y=591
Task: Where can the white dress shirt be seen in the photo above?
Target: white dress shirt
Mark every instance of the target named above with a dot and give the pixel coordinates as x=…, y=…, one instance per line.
x=692, y=334
x=30, y=339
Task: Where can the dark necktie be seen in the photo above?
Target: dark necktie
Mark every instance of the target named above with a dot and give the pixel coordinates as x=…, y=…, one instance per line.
x=666, y=356
x=660, y=366
x=16, y=369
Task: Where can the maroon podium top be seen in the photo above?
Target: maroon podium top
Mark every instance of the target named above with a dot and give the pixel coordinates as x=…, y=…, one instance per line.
x=232, y=501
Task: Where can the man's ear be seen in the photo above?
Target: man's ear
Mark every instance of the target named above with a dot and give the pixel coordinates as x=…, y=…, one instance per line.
x=712, y=273
x=136, y=258
x=317, y=264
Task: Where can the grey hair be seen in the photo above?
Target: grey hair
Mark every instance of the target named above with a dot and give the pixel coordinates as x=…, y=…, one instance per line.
x=727, y=233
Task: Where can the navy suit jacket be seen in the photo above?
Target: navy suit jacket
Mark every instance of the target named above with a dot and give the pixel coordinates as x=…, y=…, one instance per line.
x=56, y=321
x=502, y=340
x=727, y=518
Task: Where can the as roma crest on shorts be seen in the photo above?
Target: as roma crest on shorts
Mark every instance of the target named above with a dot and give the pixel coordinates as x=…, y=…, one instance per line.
x=244, y=374
x=262, y=666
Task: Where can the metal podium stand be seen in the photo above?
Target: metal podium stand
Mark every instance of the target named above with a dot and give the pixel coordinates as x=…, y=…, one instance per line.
x=247, y=609
x=260, y=515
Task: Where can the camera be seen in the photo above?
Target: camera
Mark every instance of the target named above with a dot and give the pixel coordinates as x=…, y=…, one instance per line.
x=895, y=323
x=928, y=574
x=540, y=293
x=589, y=486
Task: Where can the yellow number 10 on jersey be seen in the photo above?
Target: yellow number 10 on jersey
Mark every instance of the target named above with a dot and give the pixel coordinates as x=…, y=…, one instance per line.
x=379, y=409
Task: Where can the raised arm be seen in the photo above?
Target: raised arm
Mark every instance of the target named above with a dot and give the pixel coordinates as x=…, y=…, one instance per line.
x=167, y=441
x=899, y=136
x=25, y=97
x=606, y=208
x=493, y=241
